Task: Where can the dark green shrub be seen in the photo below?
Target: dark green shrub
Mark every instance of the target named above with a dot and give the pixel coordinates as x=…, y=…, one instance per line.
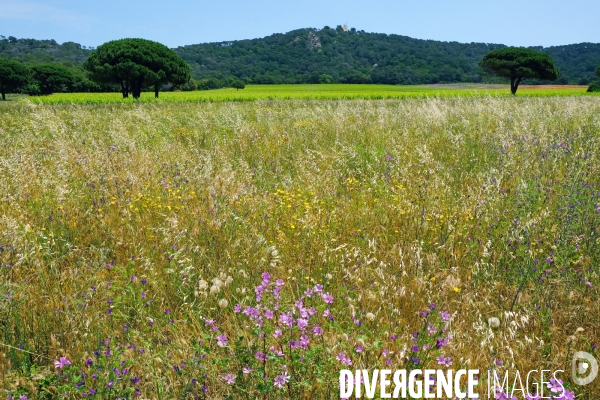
x=594, y=87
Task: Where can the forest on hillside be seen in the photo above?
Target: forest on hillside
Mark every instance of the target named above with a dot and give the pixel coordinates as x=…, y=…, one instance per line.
x=352, y=56
x=328, y=55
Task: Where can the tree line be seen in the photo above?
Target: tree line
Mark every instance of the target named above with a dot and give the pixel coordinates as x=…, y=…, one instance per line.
x=127, y=65
x=133, y=65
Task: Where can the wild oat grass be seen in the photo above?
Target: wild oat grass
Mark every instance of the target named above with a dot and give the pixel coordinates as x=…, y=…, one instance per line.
x=140, y=231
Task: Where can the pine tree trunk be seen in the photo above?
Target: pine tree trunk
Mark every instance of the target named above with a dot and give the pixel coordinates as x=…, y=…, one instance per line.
x=3, y=94
x=514, y=84
x=125, y=89
x=156, y=91
x=136, y=89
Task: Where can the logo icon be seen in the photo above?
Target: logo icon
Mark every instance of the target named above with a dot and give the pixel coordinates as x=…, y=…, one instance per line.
x=583, y=363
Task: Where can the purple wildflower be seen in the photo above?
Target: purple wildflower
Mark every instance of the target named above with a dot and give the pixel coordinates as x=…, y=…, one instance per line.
x=341, y=357
x=286, y=318
x=302, y=323
x=327, y=298
x=304, y=341
x=222, y=340
x=266, y=277
x=500, y=395
x=441, y=342
x=61, y=362
x=555, y=385
x=229, y=378
x=281, y=380
x=445, y=315
x=446, y=361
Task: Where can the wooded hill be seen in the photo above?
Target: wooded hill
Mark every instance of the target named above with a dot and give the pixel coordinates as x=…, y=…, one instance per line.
x=69, y=54
x=329, y=55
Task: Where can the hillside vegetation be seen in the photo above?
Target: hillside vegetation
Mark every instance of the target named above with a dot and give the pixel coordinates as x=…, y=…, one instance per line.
x=328, y=56
x=69, y=54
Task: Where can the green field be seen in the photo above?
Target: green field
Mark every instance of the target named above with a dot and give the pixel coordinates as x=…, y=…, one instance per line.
x=333, y=91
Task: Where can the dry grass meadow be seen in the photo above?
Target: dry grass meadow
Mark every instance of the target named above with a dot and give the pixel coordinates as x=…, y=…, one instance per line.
x=253, y=249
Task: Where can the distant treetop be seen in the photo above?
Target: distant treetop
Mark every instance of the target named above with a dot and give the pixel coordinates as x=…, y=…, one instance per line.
x=51, y=77
x=13, y=76
x=136, y=63
x=518, y=63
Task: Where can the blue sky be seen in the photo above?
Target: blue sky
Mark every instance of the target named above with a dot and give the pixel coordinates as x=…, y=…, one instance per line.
x=177, y=22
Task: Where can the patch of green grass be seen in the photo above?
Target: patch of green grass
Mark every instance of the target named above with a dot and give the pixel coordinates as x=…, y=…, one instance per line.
x=332, y=92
